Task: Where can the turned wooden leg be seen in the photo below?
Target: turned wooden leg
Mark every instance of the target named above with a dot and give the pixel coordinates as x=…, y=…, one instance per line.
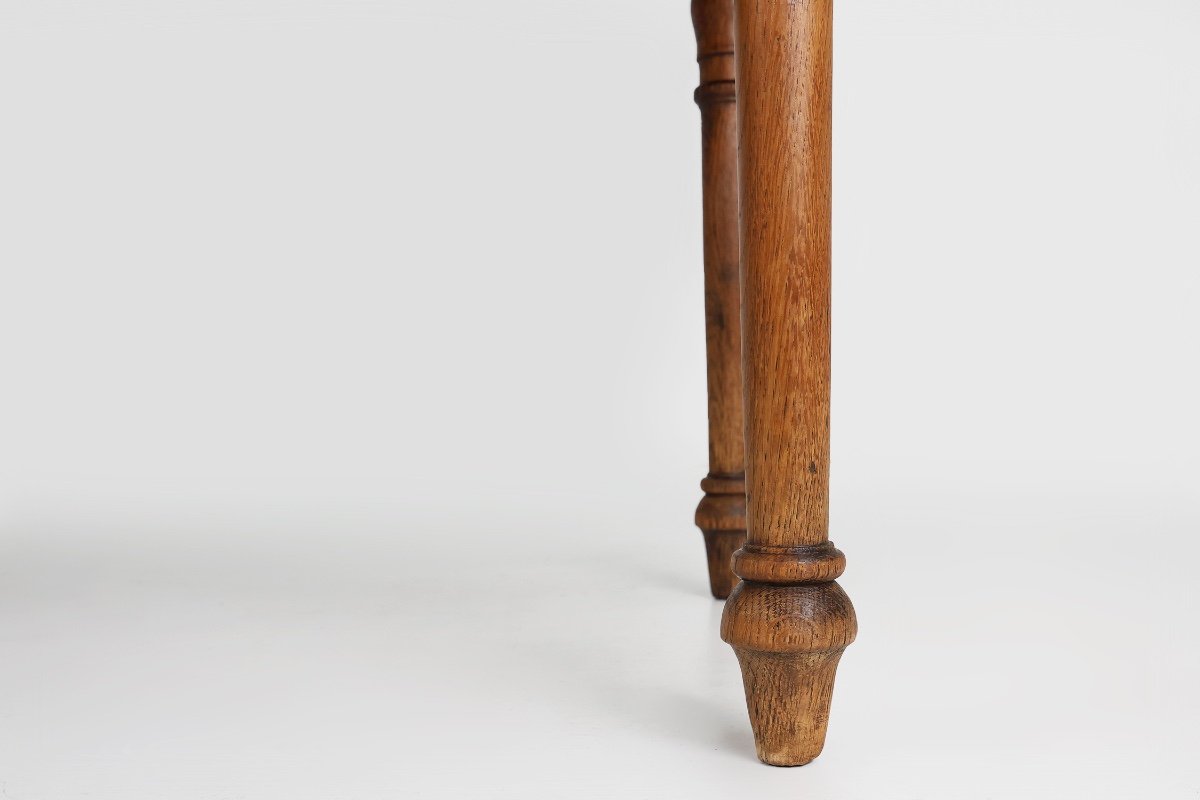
x=722, y=513
x=788, y=620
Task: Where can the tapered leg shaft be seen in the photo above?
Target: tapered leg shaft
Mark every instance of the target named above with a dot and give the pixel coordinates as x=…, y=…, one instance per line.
x=788, y=620
x=722, y=513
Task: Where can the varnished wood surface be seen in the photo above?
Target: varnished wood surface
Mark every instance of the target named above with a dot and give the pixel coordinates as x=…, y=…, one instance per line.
x=788, y=621
x=722, y=512
x=785, y=75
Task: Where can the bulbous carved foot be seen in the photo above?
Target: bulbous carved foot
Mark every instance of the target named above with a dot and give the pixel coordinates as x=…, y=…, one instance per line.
x=721, y=517
x=789, y=637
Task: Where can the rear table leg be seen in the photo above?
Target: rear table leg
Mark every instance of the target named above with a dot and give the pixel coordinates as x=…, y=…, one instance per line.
x=722, y=513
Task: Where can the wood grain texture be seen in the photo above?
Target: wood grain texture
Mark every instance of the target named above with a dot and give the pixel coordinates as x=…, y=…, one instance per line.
x=788, y=621
x=721, y=515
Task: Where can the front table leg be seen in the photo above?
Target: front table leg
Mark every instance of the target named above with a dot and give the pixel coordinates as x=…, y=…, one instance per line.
x=788, y=620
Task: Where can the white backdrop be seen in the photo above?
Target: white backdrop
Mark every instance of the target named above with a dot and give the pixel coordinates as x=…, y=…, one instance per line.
x=352, y=412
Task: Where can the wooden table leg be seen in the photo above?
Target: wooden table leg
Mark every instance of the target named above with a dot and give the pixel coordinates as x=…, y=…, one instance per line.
x=788, y=620
x=721, y=515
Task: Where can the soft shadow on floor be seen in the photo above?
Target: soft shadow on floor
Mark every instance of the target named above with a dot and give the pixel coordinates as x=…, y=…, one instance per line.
x=641, y=569
x=642, y=700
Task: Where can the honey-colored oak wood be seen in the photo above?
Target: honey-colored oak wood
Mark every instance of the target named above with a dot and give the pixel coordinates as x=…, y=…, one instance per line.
x=721, y=515
x=788, y=620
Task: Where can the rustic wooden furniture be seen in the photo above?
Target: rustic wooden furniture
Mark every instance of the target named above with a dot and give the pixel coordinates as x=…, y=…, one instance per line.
x=766, y=121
